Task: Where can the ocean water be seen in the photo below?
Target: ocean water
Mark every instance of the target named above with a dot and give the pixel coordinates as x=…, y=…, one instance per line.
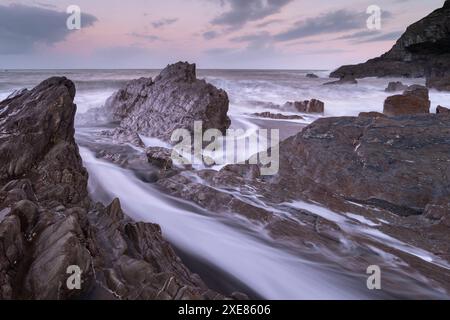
x=249, y=90
x=240, y=249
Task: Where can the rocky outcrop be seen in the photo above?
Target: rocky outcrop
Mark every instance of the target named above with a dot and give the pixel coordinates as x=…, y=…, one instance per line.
x=390, y=162
x=396, y=86
x=423, y=50
x=312, y=76
x=173, y=100
x=49, y=227
x=442, y=110
x=345, y=79
x=307, y=106
x=415, y=100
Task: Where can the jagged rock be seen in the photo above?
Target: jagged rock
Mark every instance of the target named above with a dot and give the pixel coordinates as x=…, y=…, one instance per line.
x=442, y=110
x=396, y=86
x=414, y=100
x=345, y=79
x=312, y=76
x=423, y=50
x=307, y=106
x=174, y=100
x=48, y=223
x=278, y=116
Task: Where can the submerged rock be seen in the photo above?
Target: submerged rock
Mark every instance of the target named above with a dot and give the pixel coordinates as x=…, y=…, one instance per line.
x=48, y=224
x=442, y=110
x=415, y=100
x=346, y=79
x=312, y=76
x=307, y=106
x=396, y=86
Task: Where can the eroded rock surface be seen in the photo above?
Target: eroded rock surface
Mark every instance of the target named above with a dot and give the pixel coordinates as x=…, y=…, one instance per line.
x=48, y=223
x=173, y=100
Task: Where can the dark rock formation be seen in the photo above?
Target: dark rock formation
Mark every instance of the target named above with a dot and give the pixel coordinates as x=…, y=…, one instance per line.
x=174, y=100
x=396, y=86
x=442, y=110
x=312, y=76
x=48, y=223
x=423, y=50
x=415, y=100
x=345, y=79
x=307, y=106
x=277, y=116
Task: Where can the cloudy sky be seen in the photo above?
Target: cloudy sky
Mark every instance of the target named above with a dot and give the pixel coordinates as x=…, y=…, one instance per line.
x=280, y=34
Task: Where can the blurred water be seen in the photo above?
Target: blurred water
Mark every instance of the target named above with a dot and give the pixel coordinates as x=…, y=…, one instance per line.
x=249, y=90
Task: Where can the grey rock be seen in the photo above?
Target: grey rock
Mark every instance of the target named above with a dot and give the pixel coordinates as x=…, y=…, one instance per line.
x=175, y=100
x=415, y=100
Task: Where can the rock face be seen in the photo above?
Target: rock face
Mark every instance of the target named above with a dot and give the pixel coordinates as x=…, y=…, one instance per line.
x=345, y=79
x=415, y=100
x=442, y=110
x=48, y=224
x=307, y=106
x=174, y=100
x=396, y=86
x=423, y=50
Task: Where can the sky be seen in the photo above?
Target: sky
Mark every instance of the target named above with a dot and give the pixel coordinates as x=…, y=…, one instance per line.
x=222, y=34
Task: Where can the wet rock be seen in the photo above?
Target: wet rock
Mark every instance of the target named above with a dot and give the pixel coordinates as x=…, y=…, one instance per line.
x=312, y=76
x=440, y=83
x=48, y=223
x=346, y=79
x=386, y=159
x=277, y=116
x=442, y=110
x=160, y=157
x=137, y=263
x=174, y=100
x=17, y=93
x=396, y=86
x=307, y=106
x=415, y=100
x=439, y=212
x=423, y=50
